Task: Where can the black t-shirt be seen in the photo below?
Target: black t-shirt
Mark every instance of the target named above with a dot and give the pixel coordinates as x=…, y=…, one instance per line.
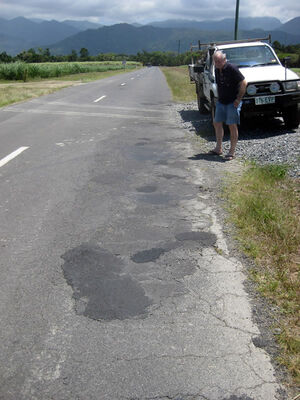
x=228, y=80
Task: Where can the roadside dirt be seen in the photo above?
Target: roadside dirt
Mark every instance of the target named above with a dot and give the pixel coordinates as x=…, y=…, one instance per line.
x=39, y=84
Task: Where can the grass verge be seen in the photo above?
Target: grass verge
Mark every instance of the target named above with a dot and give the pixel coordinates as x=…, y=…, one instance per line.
x=264, y=205
x=13, y=92
x=179, y=83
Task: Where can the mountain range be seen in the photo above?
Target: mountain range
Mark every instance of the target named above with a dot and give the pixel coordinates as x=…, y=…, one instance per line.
x=21, y=34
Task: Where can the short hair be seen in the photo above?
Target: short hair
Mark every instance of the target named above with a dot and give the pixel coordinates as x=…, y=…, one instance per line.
x=219, y=54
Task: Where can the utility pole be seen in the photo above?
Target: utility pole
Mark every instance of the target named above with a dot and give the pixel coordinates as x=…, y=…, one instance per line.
x=236, y=19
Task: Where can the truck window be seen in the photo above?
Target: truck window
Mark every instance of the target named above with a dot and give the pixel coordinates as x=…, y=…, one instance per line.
x=251, y=56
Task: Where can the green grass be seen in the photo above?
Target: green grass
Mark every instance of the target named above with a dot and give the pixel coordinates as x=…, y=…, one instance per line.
x=179, y=83
x=264, y=206
x=16, y=91
x=297, y=70
x=23, y=71
x=91, y=76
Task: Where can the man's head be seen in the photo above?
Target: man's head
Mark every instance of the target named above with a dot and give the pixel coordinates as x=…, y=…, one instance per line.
x=219, y=59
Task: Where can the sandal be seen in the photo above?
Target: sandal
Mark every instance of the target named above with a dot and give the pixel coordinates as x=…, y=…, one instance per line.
x=215, y=153
x=229, y=157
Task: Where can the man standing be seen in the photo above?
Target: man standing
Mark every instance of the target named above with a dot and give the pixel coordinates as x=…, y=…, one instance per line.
x=231, y=88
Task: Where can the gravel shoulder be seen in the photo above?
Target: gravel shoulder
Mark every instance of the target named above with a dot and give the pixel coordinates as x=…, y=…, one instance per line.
x=263, y=140
x=266, y=142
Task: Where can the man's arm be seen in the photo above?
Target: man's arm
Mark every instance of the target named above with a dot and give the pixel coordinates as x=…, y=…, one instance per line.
x=241, y=92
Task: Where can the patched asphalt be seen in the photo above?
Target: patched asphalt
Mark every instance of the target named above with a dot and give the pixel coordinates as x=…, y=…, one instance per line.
x=116, y=278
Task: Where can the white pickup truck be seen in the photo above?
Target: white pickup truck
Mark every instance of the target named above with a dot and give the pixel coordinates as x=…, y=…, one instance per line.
x=272, y=89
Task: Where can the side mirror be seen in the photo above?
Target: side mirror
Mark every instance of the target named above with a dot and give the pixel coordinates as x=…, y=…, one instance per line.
x=198, y=68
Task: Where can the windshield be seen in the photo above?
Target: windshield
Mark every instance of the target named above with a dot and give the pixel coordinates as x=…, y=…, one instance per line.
x=251, y=56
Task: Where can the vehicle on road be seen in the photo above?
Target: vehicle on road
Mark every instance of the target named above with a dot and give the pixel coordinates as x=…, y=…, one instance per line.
x=272, y=89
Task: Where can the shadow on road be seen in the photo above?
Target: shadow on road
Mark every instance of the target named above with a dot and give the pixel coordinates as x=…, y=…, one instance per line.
x=207, y=157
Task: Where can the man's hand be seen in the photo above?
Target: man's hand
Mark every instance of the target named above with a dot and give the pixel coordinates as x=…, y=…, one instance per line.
x=242, y=90
x=236, y=102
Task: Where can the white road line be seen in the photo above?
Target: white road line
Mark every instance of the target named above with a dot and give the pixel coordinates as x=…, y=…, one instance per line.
x=123, y=84
x=100, y=98
x=12, y=155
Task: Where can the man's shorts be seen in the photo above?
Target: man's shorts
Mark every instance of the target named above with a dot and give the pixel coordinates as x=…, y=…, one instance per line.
x=227, y=113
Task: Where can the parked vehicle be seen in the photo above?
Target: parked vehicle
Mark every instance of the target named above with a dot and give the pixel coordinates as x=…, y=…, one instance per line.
x=272, y=89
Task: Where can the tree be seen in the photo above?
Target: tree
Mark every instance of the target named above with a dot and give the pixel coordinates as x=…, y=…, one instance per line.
x=5, y=58
x=277, y=45
x=30, y=56
x=73, y=56
x=84, y=54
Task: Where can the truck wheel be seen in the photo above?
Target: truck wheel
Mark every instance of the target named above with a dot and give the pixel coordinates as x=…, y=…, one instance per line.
x=201, y=102
x=201, y=105
x=291, y=117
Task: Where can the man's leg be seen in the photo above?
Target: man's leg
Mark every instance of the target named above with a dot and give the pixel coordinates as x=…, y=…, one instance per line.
x=219, y=136
x=234, y=134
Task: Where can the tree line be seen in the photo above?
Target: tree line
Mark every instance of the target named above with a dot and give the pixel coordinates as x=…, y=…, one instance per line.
x=144, y=57
x=292, y=51
x=168, y=58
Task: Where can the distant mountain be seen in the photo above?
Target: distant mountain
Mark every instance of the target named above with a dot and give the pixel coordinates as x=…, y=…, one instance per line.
x=281, y=36
x=52, y=31
x=12, y=45
x=32, y=34
x=124, y=38
x=43, y=32
x=19, y=27
x=292, y=26
x=21, y=34
x=38, y=20
x=227, y=24
x=120, y=38
x=82, y=25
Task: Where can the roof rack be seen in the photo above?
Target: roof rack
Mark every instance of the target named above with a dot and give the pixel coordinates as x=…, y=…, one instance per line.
x=213, y=44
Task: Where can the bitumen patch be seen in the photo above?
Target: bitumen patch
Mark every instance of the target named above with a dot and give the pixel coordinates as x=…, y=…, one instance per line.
x=157, y=198
x=148, y=255
x=205, y=238
x=171, y=176
x=243, y=397
x=147, y=189
x=100, y=289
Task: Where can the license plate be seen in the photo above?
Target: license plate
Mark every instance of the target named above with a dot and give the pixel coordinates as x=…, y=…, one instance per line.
x=264, y=100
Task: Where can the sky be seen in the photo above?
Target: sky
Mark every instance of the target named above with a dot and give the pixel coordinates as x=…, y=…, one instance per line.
x=108, y=12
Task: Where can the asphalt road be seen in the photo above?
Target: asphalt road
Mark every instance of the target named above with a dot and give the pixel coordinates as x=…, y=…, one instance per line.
x=116, y=280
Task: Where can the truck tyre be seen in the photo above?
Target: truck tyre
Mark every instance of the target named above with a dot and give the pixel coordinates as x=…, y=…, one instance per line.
x=201, y=105
x=291, y=117
x=201, y=101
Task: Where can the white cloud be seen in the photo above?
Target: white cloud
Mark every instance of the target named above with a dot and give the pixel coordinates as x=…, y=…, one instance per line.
x=283, y=10
x=147, y=10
